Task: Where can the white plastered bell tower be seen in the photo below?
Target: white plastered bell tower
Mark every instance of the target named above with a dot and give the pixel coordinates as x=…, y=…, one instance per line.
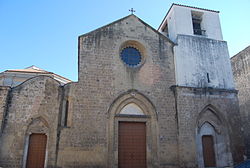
x=201, y=55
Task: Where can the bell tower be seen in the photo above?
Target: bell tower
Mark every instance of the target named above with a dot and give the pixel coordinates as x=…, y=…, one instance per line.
x=201, y=55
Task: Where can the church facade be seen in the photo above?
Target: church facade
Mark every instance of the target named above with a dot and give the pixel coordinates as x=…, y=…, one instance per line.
x=144, y=98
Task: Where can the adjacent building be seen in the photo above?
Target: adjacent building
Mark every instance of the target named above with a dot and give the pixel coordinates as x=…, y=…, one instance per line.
x=241, y=72
x=15, y=77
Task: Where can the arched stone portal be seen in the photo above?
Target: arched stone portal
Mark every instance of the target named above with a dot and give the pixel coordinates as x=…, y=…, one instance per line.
x=212, y=139
x=36, y=143
x=132, y=109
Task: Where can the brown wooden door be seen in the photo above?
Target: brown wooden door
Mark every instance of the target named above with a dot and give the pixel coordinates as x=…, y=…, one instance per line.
x=208, y=151
x=36, y=151
x=132, y=145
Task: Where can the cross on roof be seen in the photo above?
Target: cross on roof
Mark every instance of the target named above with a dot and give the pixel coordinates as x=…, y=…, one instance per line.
x=132, y=10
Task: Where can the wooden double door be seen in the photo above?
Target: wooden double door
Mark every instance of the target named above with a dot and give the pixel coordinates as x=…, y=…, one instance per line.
x=132, y=145
x=36, y=151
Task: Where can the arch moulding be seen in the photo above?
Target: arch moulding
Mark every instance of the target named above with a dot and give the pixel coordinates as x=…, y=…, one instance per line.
x=211, y=121
x=149, y=118
x=36, y=124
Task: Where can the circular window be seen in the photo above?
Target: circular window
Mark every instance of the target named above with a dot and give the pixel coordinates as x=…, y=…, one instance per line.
x=131, y=56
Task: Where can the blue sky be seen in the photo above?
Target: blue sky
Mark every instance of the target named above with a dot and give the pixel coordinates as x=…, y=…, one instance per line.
x=44, y=32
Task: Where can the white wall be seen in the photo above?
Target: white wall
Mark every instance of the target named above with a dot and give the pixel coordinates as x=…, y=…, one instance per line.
x=183, y=21
x=199, y=55
x=179, y=21
x=211, y=22
x=196, y=56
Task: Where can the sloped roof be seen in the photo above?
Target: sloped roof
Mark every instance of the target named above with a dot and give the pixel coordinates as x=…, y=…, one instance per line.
x=35, y=69
x=194, y=7
x=31, y=69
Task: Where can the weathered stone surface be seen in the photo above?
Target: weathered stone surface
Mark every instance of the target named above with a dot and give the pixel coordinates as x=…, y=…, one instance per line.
x=33, y=108
x=241, y=71
x=81, y=119
x=103, y=77
x=202, y=62
x=218, y=107
x=4, y=91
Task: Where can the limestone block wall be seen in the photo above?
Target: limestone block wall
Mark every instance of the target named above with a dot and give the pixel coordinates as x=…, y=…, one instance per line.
x=104, y=79
x=219, y=109
x=33, y=108
x=4, y=91
x=241, y=72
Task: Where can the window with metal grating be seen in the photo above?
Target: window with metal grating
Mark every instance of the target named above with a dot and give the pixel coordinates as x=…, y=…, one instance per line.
x=131, y=56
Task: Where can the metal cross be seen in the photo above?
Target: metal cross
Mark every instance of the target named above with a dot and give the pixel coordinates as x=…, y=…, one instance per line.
x=132, y=10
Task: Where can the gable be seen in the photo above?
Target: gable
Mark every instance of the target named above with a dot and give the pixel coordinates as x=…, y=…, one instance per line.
x=129, y=17
x=100, y=55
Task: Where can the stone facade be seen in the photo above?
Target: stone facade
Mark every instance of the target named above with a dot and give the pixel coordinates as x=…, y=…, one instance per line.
x=81, y=119
x=217, y=107
x=4, y=91
x=241, y=71
x=33, y=107
x=107, y=79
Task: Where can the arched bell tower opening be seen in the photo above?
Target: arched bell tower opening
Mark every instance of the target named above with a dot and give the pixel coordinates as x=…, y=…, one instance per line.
x=132, y=132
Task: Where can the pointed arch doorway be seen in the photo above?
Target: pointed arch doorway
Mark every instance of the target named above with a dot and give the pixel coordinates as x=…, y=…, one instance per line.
x=132, y=132
x=212, y=139
x=131, y=139
x=36, y=143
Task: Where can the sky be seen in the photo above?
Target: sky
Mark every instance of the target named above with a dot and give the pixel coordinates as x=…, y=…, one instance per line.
x=44, y=33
